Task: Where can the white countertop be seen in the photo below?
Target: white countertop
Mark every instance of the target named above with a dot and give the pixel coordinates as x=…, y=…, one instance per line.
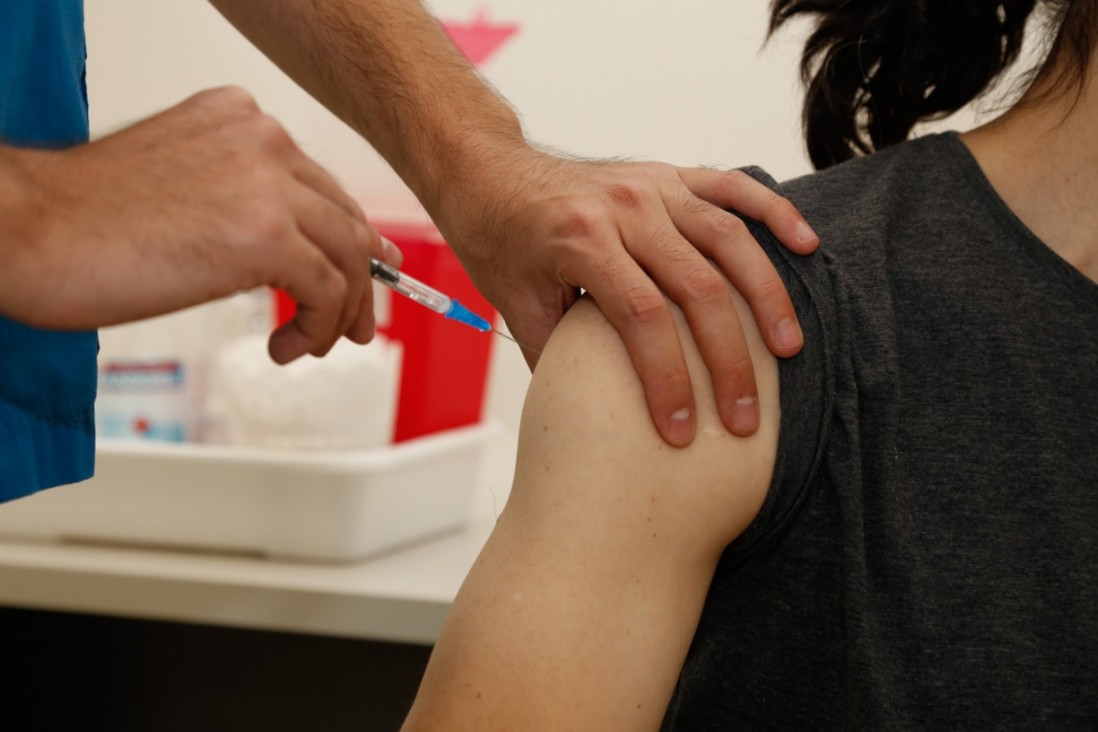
x=402, y=596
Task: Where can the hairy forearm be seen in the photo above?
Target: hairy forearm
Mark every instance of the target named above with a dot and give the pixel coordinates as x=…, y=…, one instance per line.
x=20, y=227
x=387, y=69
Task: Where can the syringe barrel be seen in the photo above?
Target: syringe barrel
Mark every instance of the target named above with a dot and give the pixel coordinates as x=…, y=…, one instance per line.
x=410, y=287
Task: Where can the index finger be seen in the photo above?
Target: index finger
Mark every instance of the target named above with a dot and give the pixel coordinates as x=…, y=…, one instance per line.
x=736, y=190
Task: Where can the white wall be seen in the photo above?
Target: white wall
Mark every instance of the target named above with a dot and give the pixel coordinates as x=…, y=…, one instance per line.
x=681, y=81
x=686, y=82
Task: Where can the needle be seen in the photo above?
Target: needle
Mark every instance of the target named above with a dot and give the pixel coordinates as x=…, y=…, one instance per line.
x=534, y=351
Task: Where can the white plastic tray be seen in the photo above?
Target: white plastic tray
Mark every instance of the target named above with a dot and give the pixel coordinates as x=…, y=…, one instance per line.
x=331, y=507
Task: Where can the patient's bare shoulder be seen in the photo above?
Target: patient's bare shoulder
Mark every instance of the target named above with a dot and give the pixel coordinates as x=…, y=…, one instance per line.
x=586, y=420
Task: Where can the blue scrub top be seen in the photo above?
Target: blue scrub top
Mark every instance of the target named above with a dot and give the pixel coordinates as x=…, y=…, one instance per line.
x=47, y=379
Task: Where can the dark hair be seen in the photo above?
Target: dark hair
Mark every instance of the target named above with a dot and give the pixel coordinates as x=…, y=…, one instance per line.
x=875, y=68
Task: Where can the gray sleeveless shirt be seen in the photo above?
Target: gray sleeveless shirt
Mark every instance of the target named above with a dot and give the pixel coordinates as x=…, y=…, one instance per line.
x=927, y=556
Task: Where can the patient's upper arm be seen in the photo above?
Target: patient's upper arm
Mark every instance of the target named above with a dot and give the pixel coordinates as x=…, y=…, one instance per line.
x=579, y=611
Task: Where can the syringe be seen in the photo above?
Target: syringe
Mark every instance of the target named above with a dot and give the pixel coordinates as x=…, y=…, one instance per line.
x=429, y=297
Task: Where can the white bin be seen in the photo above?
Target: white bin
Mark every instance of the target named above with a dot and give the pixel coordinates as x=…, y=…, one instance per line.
x=329, y=507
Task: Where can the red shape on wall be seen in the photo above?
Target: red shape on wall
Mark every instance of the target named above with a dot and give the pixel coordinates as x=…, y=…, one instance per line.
x=479, y=39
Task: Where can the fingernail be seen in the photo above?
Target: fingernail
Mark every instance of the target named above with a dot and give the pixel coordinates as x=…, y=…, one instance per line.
x=804, y=232
x=745, y=416
x=681, y=427
x=392, y=254
x=788, y=334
